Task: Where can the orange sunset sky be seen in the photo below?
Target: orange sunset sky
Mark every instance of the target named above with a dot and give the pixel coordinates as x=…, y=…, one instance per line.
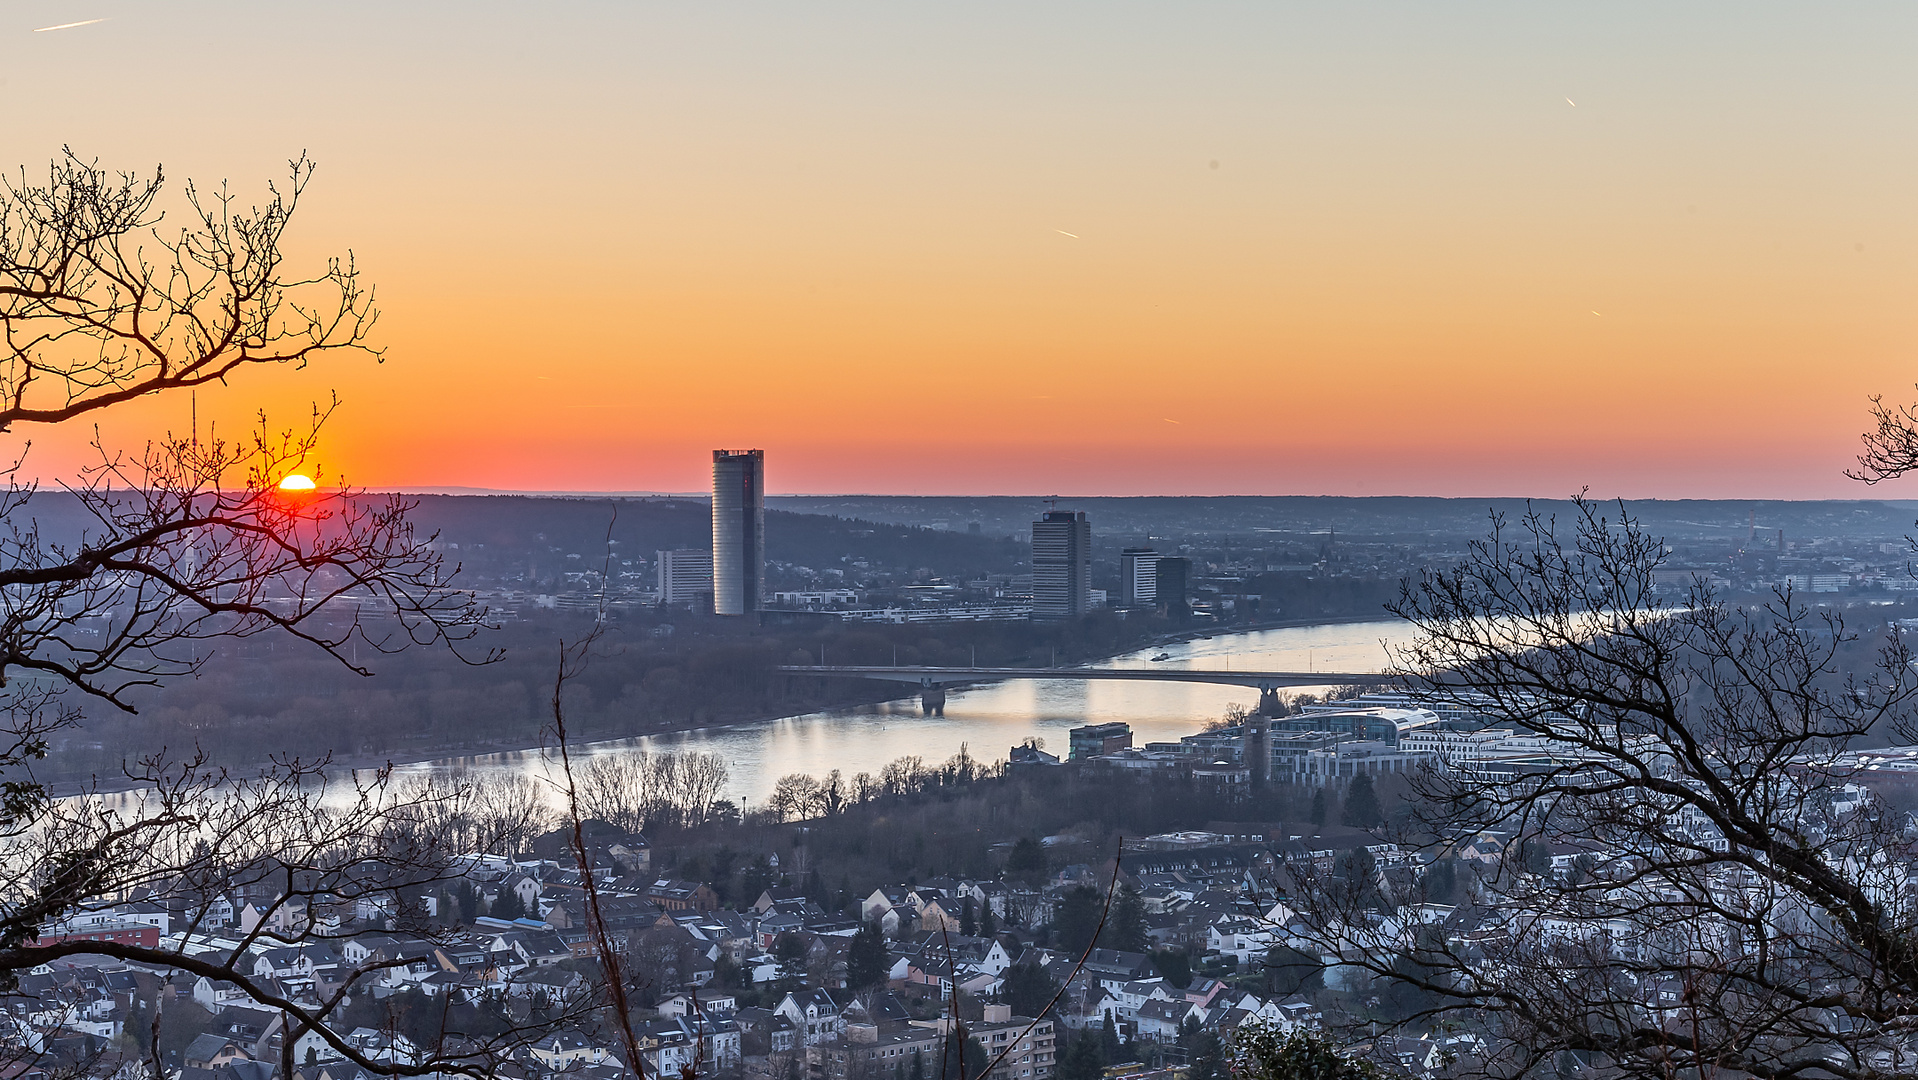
x=1088, y=248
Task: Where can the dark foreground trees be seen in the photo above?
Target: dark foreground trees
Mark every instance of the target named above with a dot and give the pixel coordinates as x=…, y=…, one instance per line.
x=104, y=300
x=1690, y=887
x=1260, y=1051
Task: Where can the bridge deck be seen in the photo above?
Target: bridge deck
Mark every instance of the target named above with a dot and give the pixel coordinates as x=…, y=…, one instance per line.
x=950, y=676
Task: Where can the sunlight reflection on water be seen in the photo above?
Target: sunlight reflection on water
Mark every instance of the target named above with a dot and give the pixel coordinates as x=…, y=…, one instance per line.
x=992, y=718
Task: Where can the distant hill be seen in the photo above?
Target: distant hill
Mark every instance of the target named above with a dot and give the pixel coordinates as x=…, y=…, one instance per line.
x=1385, y=518
x=518, y=526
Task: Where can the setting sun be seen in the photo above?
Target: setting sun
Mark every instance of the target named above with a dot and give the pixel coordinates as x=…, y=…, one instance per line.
x=297, y=482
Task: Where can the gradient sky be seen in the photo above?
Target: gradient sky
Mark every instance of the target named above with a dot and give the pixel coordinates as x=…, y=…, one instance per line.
x=1340, y=248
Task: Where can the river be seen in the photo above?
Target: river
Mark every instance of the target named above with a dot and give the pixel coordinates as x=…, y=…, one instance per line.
x=992, y=718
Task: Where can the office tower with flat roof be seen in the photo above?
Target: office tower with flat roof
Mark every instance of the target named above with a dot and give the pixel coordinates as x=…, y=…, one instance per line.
x=1138, y=577
x=1061, y=565
x=685, y=576
x=1170, y=585
x=739, y=530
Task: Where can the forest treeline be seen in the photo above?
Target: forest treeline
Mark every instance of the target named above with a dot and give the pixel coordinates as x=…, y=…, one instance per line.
x=960, y=818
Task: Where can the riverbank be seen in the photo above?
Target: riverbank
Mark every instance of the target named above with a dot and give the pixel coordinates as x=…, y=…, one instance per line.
x=1002, y=713
x=493, y=748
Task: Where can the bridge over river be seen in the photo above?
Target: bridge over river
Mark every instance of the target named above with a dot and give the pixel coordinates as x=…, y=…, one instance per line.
x=933, y=681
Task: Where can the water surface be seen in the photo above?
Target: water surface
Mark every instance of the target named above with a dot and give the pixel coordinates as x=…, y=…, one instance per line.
x=992, y=718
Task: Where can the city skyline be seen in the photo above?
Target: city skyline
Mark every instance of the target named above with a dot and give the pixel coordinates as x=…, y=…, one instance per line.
x=1374, y=444
x=1483, y=252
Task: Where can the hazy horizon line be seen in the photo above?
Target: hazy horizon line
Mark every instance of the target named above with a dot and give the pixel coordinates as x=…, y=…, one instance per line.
x=455, y=489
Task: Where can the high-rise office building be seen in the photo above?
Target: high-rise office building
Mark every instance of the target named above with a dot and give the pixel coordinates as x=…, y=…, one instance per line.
x=1061, y=565
x=1170, y=586
x=1138, y=577
x=739, y=530
x=685, y=576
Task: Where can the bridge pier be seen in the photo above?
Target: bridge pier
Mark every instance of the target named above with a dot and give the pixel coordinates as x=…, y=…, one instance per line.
x=932, y=701
x=1269, y=704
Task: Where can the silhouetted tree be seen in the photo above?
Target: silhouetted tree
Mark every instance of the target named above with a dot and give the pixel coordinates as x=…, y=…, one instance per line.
x=1701, y=743
x=1028, y=989
x=1126, y=929
x=1027, y=860
x=1174, y=966
x=866, y=958
x=1081, y=1060
x=1361, y=809
x=1289, y=971
x=1207, y=1054
x=1262, y=1052
x=507, y=905
x=1076, y=919
x=192, y=540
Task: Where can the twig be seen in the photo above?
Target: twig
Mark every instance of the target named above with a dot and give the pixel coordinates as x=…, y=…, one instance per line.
x=571, y=660
x=1112, y=889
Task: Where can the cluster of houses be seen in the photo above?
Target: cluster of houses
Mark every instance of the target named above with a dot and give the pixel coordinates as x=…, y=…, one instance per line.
x=691, y=959
x=775, y=990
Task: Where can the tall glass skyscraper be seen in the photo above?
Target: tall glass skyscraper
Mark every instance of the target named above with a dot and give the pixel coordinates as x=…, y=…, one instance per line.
x=739, y=530
x=1061, y=565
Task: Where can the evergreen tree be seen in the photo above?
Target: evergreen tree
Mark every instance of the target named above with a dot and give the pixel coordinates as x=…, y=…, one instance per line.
x=967, y=1059
x=1029, y=989
x=918, y=1066
x=1126, y=929
x=1078, y=918
x=1318, y=814
x=1081, y=1059
x=755, y=879
x=988, y=924
x=1174, y=966
x=976, y=1058
x=1109, y=1041
x=1027, y=860
x=469, y=903
x=1289, y=971
x=1208, y=1057
x=1362, y=810
x=1536, y=856
x=968, y=925
x=138, y=1026
x=1359, y=869
x=866, y=958
x=790, y=948
x=506, y=905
